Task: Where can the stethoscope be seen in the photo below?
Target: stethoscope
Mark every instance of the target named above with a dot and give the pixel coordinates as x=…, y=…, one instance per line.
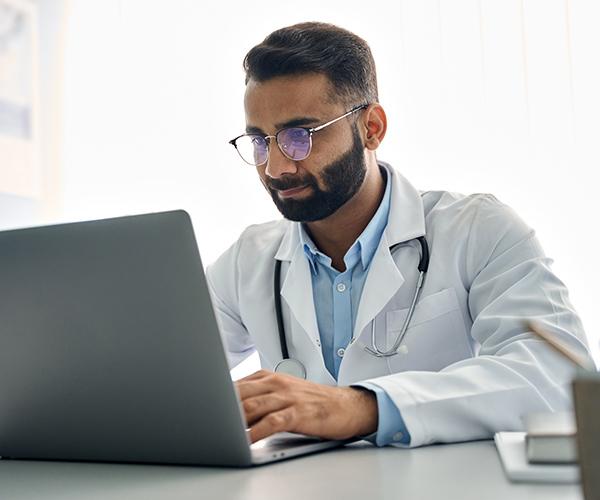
x=294, y=367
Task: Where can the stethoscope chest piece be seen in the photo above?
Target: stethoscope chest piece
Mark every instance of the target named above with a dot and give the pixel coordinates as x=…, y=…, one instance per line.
x=291, y=367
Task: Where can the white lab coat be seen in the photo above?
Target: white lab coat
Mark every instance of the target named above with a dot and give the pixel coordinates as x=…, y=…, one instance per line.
x=467, y=367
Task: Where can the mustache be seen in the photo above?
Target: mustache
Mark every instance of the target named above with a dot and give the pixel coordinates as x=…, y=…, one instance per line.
x=284, y=184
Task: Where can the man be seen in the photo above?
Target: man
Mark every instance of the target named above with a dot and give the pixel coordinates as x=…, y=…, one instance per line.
x=462, y=364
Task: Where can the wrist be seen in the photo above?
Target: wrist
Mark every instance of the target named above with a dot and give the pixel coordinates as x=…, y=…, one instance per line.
x=364, y=411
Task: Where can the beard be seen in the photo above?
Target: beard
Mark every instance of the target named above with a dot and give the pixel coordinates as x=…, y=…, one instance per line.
x=342, y=179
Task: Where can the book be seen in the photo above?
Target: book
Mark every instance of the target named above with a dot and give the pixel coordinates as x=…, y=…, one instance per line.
x=511, y=448
x=551, y=437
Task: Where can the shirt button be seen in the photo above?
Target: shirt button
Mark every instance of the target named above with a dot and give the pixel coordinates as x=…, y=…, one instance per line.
x=403, y=349
x=398, y=436
x=341, y=287
x=341, y=351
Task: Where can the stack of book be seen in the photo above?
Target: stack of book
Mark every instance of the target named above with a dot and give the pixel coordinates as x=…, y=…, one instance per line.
x=551, y=448
x=546, y=452
x=551, y=438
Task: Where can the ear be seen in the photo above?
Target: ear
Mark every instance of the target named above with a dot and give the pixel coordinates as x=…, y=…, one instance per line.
x=374, y=123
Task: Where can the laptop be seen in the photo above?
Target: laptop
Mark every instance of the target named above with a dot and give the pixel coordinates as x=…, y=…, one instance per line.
x=586, y=395
x=110, y=350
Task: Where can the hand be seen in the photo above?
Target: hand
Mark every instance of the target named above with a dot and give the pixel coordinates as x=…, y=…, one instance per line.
x=276, y=402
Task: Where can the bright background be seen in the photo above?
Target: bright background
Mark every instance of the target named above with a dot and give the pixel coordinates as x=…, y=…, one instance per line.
x=495, y=96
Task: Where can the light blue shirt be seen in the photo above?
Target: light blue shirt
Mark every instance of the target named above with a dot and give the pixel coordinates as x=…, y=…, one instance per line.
x=336, y=297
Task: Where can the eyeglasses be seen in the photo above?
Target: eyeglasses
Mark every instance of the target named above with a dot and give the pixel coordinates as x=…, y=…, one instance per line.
x=294, y=142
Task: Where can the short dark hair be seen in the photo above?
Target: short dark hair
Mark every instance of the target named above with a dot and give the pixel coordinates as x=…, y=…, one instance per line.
x=313, y=47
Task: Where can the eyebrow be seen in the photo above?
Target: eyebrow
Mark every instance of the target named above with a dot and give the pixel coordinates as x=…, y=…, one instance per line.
x=295, y=122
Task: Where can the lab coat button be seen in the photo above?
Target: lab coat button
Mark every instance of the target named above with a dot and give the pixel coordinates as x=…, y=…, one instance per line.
x=341, y=351
x=341, y=287
x=403, y=349
x=398, y=436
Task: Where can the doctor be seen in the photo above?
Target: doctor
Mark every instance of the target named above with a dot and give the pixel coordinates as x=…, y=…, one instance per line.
x=399, y=313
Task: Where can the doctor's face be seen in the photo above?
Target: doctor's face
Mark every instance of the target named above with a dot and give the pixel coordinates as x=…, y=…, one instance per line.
x=314, y=188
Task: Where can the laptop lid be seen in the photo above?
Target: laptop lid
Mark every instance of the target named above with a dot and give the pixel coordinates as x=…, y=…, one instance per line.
x=109, y=348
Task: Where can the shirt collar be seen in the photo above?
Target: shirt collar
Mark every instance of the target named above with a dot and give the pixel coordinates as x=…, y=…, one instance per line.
x=365, y=245
x=310, y=249
x=406, y=219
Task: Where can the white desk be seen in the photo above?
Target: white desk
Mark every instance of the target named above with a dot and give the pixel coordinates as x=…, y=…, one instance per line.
x=459, y=471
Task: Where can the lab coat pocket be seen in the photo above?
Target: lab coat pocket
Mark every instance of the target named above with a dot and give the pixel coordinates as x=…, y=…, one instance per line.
x=436, y=336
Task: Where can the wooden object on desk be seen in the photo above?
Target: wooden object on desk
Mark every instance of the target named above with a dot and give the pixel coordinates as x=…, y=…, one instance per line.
x=586, y=394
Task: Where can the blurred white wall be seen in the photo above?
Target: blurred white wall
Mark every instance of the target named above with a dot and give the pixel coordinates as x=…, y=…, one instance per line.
x=493, y=96
x=37, y=198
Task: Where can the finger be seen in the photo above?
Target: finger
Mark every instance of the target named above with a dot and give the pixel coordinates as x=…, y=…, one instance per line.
x=252, y=389
x=258, y=386
x=258, y=407
x=280, y=421
x=256, y=375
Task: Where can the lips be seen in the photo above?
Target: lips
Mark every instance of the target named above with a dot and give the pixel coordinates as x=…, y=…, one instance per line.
x=286, y=193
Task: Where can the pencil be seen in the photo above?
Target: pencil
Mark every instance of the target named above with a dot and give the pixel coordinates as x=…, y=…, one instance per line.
x=562, y=349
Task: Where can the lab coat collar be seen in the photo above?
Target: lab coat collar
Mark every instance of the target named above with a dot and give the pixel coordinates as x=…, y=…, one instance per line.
x=407, y=216
x=289, y=243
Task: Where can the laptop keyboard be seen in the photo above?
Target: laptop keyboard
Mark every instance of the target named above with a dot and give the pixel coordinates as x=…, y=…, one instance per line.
x=284, y=441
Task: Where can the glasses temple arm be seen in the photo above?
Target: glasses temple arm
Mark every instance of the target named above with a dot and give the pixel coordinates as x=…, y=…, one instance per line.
x=353, y=110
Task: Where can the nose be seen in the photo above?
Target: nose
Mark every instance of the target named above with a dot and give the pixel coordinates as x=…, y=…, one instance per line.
x=277, y=163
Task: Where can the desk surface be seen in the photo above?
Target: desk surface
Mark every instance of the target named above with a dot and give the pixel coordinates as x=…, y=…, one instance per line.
x=463, y=471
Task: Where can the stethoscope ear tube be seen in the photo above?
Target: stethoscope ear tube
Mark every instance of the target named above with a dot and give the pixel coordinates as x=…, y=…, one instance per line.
x=278, y=313
x=286, y=365
x=424, y=261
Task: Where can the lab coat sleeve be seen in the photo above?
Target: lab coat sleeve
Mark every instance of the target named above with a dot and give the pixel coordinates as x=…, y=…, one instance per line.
x=509, y=280
x=222, y=280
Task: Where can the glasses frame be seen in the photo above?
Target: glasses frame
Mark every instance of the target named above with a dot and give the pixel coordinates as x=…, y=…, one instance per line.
x=309, y=130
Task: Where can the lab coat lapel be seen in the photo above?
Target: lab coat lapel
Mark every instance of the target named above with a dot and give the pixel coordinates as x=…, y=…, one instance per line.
x=297, y=290
x=382, y=283
x=406, y=220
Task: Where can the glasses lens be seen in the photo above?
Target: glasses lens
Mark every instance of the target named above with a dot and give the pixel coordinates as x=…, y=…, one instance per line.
x=252, y=148
x=294, y=142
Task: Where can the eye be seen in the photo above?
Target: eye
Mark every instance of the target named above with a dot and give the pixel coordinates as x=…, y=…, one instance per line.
x=297, y=133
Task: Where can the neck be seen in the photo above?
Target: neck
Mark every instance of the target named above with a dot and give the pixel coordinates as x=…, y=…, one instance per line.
x=335, y=235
